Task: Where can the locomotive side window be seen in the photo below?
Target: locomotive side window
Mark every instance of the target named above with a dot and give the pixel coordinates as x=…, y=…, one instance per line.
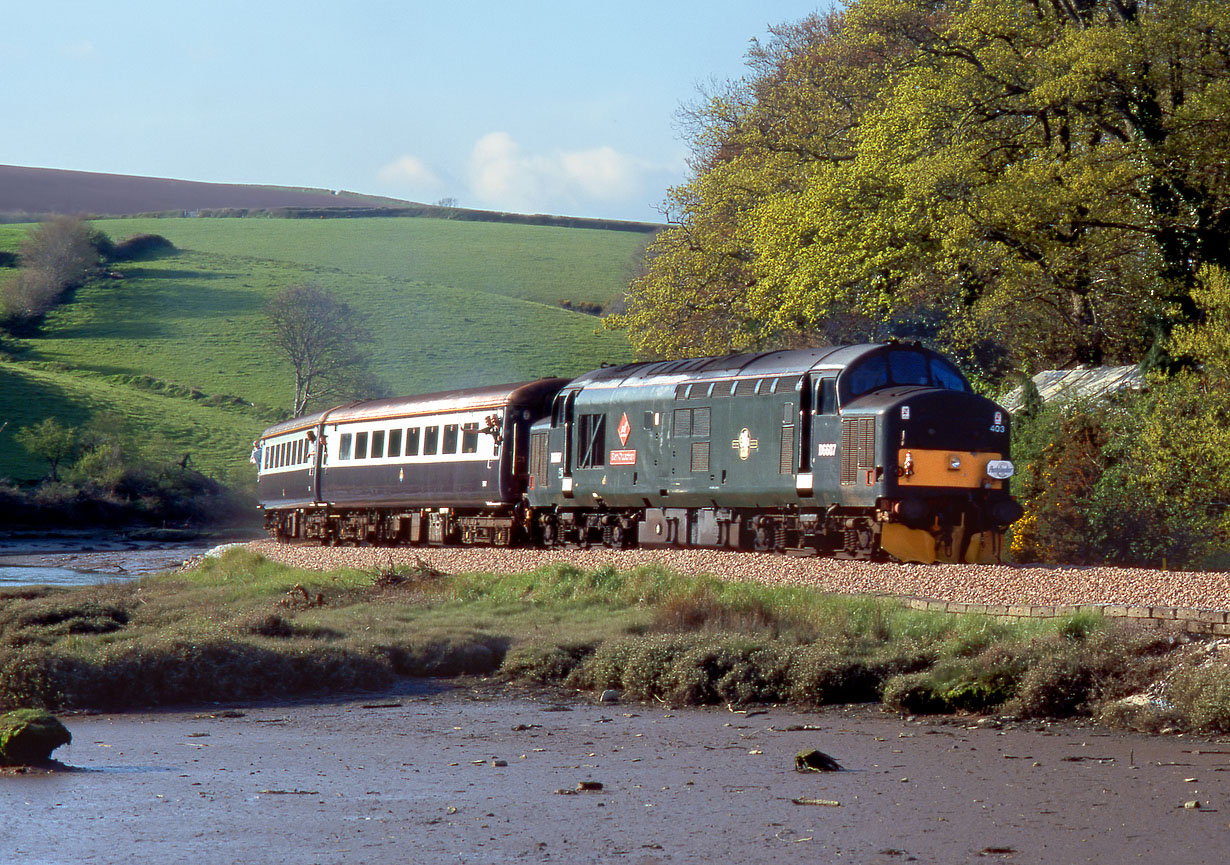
x=413, y=434
x=591, y=441
x=377, y=444
x=394, y=443
x=431, y=441
x=343, y=448
x=360, y=446
x=450, y=439
x=469, y=438
x=826, y=396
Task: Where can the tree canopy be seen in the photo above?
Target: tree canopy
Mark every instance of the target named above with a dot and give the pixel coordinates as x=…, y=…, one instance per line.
x=1041, y=177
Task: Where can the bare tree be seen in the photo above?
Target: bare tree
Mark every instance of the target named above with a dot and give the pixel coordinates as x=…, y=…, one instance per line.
x=320, y=335
x=61, y=248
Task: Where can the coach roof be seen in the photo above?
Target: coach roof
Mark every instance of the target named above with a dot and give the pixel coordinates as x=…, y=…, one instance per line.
x=468, y=399
x=729, y=366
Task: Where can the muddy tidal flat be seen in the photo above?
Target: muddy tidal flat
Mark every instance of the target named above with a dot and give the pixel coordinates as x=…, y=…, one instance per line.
x=476, y=774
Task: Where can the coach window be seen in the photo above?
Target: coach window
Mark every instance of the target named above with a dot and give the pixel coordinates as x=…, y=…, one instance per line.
x=431, y=441
x=377, y=444
x=449, y=445
x=343, y=447
x=394, y=443
x=469, y=438
x=360, y=446
x=413, y=435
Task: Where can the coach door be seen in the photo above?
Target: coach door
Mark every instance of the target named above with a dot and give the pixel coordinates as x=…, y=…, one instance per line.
x=825, y=432
x=565, y=407
x=803, y=476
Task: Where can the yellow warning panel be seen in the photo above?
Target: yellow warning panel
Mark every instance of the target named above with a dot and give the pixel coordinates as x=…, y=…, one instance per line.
x=917, y=467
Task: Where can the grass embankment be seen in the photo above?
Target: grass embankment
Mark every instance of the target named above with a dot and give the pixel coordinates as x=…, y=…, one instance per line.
x=241, y=627
x=173, y=354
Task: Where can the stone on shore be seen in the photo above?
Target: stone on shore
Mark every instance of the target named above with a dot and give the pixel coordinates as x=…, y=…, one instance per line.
x=28, y=736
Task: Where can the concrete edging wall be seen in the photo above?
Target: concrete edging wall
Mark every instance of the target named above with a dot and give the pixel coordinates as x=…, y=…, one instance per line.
x=1193, y=621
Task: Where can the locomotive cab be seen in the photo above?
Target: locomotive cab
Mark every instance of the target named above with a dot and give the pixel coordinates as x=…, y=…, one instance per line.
x=928, y=454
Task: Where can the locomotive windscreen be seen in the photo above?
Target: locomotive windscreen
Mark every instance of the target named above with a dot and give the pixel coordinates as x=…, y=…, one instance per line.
x=904, y=367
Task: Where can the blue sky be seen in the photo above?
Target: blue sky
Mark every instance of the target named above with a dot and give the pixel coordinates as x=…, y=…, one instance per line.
x=550, y=107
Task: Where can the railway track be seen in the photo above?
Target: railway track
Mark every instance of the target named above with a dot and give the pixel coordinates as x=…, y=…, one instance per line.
x=974, y=584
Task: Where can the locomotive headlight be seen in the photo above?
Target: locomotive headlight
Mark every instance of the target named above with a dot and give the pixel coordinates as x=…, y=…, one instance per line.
x=954, y=463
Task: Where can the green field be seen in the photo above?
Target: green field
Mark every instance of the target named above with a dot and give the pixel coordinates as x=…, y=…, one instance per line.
x=450, y=304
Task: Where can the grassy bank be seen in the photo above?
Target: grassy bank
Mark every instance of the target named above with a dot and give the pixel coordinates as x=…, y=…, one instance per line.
x=242, y=627
x=172, y=354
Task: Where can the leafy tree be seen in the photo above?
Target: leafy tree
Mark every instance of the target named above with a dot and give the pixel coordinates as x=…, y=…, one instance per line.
x=1047, y=176
x=50, y=440
x=321, y=337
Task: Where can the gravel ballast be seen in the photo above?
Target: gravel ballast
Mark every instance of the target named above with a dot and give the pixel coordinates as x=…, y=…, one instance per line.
x=975, y=584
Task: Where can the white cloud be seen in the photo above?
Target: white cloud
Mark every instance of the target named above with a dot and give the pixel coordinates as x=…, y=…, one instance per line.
x=81, y=50
x=412, y=177
x=505, y=177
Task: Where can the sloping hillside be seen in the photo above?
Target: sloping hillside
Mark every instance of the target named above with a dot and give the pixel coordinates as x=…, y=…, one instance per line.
x=173, y=351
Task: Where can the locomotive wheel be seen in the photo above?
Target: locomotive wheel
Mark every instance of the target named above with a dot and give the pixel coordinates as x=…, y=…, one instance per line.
x=618, y=537
x=550, y=532
x=764, y=539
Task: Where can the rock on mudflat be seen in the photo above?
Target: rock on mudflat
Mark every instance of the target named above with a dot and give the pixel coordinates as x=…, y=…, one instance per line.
x=815, y=761
x=28, y=736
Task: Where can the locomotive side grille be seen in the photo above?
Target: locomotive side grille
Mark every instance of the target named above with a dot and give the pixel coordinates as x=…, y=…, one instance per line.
x=849, y=450
x=538, y=456
x=700, y=456
x=700, y=422
x=866, y=442
x=745, y=387
x=785, y=464
x=683, y=421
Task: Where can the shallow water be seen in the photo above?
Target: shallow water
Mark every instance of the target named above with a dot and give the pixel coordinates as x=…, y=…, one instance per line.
x=39, y=575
